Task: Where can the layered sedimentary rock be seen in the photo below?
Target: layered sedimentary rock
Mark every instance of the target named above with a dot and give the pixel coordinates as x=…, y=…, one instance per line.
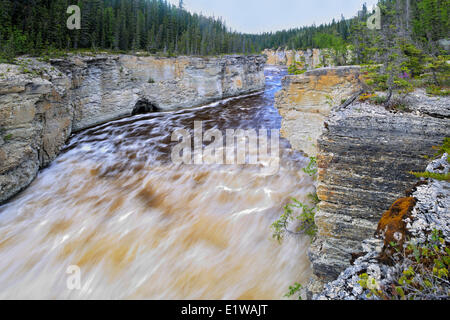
x=283, y=57
x=42, y=103
x=365, y=155
x=312, y=58
x=108, y=87
x=306, y=100
x=430, y=202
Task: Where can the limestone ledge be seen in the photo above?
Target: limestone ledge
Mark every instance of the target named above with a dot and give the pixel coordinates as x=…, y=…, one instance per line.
x=306, y=100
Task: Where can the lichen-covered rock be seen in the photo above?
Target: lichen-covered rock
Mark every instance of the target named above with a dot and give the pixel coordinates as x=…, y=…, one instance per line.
x=42, y=103
x=365, y=155
x=306, y=100
x=431, y=212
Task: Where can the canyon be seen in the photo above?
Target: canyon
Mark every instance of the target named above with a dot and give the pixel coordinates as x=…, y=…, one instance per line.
x=44, y=102
x=140, y=226
x=364, y=151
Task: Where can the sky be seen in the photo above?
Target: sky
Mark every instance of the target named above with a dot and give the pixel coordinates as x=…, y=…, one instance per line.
x=255, y=16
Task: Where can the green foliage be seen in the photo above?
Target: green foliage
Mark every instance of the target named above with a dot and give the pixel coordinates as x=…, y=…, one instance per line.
x=431, y=22
x=397, y=56
x=422, y=272
x=432, y=175
x=311, y=168
x=17, y=43
x=121, y=25
x=445, y=148
x=293, y=290
x=7, y=137
x=414, y=58
x=440, y=151
x=305, y=219
x=371, y=284
x=297, y=68
x=156, y=26
x=439, y=68
x=150, y=80
x=438, y=91
x=336, y=43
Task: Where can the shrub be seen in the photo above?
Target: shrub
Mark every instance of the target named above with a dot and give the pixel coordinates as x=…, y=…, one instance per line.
x=305, y=218
x=293, y=290
x=296, y=68
x=421, y=271
x=437, y=91
x=311, y=168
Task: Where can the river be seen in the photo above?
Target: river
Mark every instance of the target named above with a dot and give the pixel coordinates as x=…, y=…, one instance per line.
x=137, y=226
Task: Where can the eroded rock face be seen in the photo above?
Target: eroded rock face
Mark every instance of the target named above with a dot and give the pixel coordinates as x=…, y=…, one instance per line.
x=42, y=103
x=430, y=212
x=306, y=100
x=312, y=58
x=365, y=154
x=108, y=87
x=35, y=121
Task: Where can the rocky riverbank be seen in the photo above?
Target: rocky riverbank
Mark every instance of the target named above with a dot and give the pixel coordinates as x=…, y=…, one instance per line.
x=426, y=216
x=364, y=155
x=311, y=58
x=43, y=102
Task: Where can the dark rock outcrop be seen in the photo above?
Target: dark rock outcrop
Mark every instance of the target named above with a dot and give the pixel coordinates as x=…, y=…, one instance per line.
x=365, y=155
x=427, y=211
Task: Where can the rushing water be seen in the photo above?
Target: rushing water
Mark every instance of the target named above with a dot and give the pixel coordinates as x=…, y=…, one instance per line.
x=139, y=226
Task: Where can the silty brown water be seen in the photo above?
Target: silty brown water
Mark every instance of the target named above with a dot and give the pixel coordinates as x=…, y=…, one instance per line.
x=141, y=227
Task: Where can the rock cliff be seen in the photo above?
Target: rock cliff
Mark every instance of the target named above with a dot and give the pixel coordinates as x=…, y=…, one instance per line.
x=427, y=212
x=306, y=100
x=283, y=57
x=364, y=155
x=311, y=58
x=43, y=102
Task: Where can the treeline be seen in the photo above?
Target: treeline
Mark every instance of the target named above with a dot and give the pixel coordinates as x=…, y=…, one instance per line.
x=127, y=25
x=425, y=21
x=36, y=26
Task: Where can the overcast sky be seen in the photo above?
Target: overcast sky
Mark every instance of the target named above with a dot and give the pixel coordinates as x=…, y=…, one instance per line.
x=254, y=16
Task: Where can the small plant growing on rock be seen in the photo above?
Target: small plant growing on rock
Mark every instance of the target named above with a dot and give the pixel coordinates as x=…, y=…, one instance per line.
x=297, y=67
x=305, y=218
x=438, y=91
x=441, y=150
x=311, y=168
x=293, y=290
x=432, y=175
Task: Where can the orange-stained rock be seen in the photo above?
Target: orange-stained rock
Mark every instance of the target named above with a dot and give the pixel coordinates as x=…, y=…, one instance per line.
x=306, y=101
x=392, y=225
